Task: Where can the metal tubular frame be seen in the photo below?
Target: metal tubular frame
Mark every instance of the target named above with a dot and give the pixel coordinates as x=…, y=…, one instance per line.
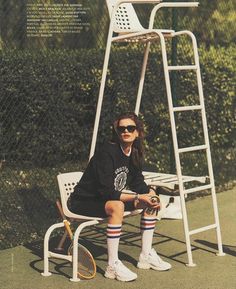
x=161, y=36
x=48, y=254
x=152, y=178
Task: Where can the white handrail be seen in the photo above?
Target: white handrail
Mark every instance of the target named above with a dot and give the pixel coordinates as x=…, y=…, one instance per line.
x=169, y=5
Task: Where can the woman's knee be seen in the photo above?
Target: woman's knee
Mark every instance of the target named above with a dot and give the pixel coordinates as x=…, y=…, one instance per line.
x=114, y=208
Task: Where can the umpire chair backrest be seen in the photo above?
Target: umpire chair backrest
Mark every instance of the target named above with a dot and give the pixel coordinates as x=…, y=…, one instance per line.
x=126, y=19
x=66, y=183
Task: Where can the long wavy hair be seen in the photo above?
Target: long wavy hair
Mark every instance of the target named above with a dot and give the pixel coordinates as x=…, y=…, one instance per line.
x=137, y=153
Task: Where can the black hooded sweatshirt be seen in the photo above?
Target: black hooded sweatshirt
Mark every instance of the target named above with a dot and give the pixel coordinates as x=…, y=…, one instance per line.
x=107, y=174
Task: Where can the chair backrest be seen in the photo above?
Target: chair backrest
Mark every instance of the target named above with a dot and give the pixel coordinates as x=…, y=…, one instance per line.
x=126, y=19
x=66, y=183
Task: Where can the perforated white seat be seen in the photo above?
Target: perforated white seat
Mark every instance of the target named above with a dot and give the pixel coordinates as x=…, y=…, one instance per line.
x=66, y=183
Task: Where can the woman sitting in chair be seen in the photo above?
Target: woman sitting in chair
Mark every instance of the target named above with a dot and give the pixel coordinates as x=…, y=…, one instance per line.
x=115, y=166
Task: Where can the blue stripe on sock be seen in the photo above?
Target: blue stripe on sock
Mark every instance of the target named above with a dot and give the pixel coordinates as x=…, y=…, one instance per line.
x=113, y=237
x=144, y=228
x=148, y=220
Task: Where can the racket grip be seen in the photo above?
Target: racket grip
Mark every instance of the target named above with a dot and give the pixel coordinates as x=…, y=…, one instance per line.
x=58, y=203
x=68, y=229
x=66, y=223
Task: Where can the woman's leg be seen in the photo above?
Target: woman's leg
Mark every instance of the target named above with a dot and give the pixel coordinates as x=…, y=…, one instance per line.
x=148, y=257
x=115, y=212
x=116, y=269
x=147, y=227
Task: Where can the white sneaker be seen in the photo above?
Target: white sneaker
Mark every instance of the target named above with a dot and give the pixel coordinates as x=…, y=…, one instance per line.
x=152, y=261
x=120, y=272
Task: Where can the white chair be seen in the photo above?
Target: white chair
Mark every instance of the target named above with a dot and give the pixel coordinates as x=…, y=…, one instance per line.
x=66, y=183
x=125, y=23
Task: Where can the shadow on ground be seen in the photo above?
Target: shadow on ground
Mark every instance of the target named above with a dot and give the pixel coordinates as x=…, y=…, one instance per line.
x=230, y=250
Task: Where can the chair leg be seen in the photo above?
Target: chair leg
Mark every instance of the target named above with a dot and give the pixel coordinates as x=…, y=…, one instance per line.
x=101, y=92
x=142, y=77
x=62, y=241
x=75, y=248
x=46, y=251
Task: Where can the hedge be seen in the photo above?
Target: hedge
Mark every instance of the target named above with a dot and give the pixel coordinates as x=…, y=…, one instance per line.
x=48, y=100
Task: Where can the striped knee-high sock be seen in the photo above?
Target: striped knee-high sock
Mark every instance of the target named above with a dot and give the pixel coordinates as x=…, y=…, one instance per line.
x=147, y=227
x=113, y=238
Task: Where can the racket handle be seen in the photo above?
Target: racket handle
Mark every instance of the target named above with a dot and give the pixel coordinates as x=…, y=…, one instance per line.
x=66, y=223
x=58, y=203
x=68, y=229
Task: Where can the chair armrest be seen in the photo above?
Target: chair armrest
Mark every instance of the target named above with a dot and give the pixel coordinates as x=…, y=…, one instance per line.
x=169, y=5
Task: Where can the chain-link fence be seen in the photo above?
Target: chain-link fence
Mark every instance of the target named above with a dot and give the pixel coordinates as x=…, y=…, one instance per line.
x=51, y=62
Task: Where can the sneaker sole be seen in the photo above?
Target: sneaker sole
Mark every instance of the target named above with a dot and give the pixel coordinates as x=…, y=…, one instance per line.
x=147, y=266
x=110, y=276
x=119, y=278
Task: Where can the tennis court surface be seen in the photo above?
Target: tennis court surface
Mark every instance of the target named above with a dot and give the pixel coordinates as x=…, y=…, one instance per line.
x=21, y=266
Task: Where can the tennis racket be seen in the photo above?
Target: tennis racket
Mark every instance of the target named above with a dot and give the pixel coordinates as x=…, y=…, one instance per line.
x=86, y=264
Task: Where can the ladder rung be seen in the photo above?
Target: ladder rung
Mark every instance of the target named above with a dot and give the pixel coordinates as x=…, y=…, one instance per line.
x=191, y=149
x=182, y=67
x=190, y=107
x=192, y=178
x=202, y=229
x=197, y=189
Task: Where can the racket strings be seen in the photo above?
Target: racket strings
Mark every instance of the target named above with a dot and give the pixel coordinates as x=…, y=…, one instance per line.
x=86, y=263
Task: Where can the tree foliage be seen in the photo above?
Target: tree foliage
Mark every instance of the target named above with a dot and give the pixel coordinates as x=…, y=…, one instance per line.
x=49, y=99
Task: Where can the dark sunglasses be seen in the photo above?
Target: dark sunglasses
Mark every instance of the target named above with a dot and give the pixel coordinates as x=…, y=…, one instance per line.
x=130, y=128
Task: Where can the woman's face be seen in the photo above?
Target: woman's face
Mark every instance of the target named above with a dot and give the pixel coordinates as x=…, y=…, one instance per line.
x=127, y=131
